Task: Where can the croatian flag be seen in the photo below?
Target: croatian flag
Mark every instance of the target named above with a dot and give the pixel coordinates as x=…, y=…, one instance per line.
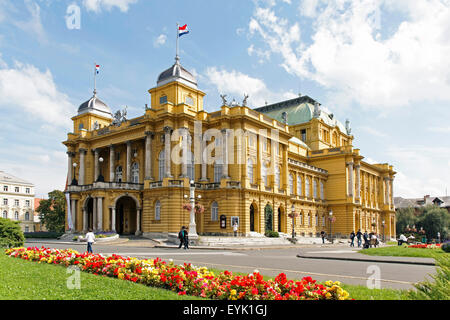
x=182, y=30
x=97, y=68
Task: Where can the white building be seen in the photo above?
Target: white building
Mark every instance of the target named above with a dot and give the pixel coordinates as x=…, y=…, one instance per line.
x=17, y=201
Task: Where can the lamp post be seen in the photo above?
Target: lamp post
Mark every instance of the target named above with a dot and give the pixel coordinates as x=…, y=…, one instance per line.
x=293, y=225
x=100, y=177
x=382, y=223
x=192, y=225
x=74, y=180
x=331, y=221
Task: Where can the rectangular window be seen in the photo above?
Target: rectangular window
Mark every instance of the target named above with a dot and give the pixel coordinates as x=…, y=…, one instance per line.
x=163, y=100
x=27, y=203
x=16, y=203
x=5, y=202
x=27, y=190
x=189, y=101
x=5, y=188
x=16, y=189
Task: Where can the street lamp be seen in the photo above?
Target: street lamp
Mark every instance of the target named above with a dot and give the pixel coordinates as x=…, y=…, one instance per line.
x=331, y=221
x=100, y=177
x=293, y=225
x=384, y=237
x=192, y=225
x=74, y=181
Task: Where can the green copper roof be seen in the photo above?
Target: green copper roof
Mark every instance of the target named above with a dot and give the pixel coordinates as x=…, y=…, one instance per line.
x=298, y=110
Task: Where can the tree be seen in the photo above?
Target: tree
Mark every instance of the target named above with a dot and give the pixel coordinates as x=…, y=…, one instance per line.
x=52, y=211
x=10, y=233
x=405, y=217
x=433, y=220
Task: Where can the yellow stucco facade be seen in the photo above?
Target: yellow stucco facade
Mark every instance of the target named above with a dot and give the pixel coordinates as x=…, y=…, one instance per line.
x=123, y=182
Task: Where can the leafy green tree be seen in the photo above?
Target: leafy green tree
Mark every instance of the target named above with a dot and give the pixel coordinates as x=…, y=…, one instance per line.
x=405, y=217
x=52, y=211
x=433, y=220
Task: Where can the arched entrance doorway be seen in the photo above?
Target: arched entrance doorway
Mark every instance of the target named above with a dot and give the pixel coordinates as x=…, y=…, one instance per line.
x=126, y=215
x=252, y=217
x=279, y=219
x=89, y=207
x=268, y=218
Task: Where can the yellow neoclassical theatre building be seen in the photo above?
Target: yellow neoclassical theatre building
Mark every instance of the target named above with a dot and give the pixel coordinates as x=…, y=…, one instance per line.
x=254, y=166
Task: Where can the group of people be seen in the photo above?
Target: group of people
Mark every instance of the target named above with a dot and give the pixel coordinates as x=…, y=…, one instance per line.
x=370, y=239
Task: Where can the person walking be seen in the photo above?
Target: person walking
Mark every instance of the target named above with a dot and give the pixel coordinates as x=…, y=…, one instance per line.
x=322, y=235
x=359, y=237
x=186, y=239
x=352, y=238
x=181, y=236
x=90, y=238
x=366, y=240
x=235, y=228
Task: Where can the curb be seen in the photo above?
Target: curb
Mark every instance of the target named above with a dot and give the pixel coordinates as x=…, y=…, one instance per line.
x=423, y=263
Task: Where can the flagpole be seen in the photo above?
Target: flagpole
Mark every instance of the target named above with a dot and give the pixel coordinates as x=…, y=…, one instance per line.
x=176, y=56
x=95, y=78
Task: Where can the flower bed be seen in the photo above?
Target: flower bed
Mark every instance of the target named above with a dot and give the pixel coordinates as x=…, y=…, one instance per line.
x=187, y=279
x=425, y=246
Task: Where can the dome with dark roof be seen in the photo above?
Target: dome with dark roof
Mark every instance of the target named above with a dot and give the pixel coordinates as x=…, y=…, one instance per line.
x=95, y=105
x=177, y=73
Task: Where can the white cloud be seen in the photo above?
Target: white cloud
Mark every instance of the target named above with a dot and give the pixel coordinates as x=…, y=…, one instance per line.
x=160, y=40
x=440, y=129
x=25, y=89
x=374, y=132
x=235, y=84
x=347, y=53
x=97, y=5
x=34, y=25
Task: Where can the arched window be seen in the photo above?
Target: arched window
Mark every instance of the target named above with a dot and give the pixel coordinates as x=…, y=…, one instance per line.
x=309, y=219
x=299, y=185
x=217, y=172
x=214, y=211
x=5, y=214
x=323, y=221
x=27, y=216
x=250, y=170
x=119, y=174
x=317, y=220
x=315, y=188
x=190, y=166
x=161, y=164
x=277, y=177
x=322, y=195
x=291, y=183
x=135, y=172
x=301, y=218
x=157, y=210
x=307, y=187
x=16, y=215
x=27, y=229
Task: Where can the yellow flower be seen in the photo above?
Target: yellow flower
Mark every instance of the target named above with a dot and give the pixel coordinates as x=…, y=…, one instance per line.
x=233, y=292
x=120, y=275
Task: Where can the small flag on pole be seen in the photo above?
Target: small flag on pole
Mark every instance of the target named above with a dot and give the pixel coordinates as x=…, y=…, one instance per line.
x=182, y=30
x=97, y=68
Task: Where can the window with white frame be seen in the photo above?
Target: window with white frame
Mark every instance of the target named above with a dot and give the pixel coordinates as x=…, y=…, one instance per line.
x=317, y=220
x=214, y=211
x=315, y=188
x=157, y=210
x=264, y=174
x=135, y=172
x=27, y=216
x=27, y=190
x=161, y=164
x=307, y=187
x=27, y=229
x=323, y=221
x=16, y=202
x=27, y=203
x=5, y=214
x=322, y=194
x=16, y=189
x=5, y=188
x=119, y=173
x=250, y=170
x=217, y=172
x=5, y=202
x=16, y=215
x=291, y=183
x=299, y=185
x=277, y=177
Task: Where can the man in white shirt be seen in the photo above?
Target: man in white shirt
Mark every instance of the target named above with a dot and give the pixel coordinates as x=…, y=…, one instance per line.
x=90, y=238
x=402, y=240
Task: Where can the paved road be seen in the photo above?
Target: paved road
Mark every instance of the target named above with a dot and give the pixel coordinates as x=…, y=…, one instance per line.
x=271, y=262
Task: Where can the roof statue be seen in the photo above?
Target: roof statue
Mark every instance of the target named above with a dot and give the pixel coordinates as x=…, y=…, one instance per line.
x=316, y=113
x=224, y=100
x=244, y=102
x=120, y=117
x=347, y=127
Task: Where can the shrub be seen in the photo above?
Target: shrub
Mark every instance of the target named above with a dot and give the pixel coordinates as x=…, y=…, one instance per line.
x=43, y=235
x=10, y=234
x=446, y=247
x=439, y=289
x=272, y=234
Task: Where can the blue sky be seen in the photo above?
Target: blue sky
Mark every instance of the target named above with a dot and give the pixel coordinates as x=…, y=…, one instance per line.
x=384, y=65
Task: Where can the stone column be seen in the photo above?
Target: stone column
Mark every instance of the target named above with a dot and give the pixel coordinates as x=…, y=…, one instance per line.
x=185, y=148
x=128, y=161
x=81, y=180
x=94, y=214
x=167, y=151
x=391, y=197
x=204, y=160
x=111, y=163
x=85, y=220
x=138, y=222
x=95, y=165
x=73, y=208
x=350, y=179
x=148, y=155
x=358, y=183
x=225, y=154
x=113, y=219
x=70, y=156
x=100, y=213
x=386, y=190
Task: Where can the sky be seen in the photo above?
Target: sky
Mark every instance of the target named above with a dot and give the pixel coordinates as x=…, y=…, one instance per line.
x=384, y=65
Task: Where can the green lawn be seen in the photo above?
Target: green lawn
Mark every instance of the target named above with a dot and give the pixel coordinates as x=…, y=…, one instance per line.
x=399, y=251
x=24, y=280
